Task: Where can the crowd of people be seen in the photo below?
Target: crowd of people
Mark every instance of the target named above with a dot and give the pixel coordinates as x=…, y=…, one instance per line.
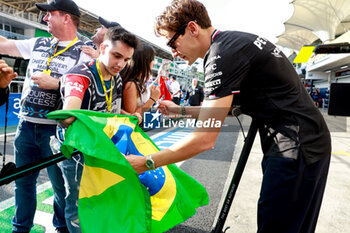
x=85, y=76
x=113, y=73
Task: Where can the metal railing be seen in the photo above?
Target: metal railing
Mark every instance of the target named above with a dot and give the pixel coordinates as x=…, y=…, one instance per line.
x=18, y=13
x=12, y=35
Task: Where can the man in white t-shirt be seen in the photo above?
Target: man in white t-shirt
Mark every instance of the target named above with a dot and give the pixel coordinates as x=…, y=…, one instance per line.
x=49, y=58
x=175, y=90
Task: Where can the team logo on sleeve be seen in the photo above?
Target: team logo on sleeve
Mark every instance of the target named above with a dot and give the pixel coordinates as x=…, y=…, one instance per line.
x=211, y=86
x=74, y=86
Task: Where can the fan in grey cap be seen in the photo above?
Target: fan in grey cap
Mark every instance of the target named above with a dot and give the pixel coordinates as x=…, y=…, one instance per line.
x=93, y=49
x=60, y=5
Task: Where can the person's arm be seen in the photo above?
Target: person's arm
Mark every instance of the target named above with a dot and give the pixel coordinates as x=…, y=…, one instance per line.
x=200, y=140
x=175, y=93
x=154, y=96
x=71, y=102
x=42, y=79
x=74, y=91
x=6, y=74
x=170, y=109
x=45, y=81
x=130, y=95
x=9, y=47
x=93, y=53
x=135, y=114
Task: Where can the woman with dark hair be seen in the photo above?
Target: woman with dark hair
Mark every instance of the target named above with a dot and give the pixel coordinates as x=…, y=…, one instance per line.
x=137, y=96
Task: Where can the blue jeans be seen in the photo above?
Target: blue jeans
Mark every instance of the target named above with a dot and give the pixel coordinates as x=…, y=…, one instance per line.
x=32, y=144
x=72, y=170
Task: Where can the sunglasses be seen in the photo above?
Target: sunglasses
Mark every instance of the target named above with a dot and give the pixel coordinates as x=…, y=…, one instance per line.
x=179, y=32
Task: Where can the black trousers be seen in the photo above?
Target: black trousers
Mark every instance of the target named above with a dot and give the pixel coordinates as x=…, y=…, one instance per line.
x=291, y=194
x=176, y=100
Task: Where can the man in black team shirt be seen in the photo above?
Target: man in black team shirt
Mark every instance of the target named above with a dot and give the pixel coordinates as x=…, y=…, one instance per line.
x=294, y=136
x=195, y=94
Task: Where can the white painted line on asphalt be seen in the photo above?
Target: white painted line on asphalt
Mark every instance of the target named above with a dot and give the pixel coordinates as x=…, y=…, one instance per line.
x=179, y=163
x=177, y=137
x=161, y=133
x=8, y=134
x=7, y=203
x=179, y=133
x=171, y=140
x=44, y=219
x=48, y=201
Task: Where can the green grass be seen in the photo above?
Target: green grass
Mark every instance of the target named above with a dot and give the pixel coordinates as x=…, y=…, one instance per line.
x=7, y=215
x=42, y=197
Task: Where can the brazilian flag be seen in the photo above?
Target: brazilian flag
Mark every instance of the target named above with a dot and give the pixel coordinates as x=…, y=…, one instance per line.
x=113, y=197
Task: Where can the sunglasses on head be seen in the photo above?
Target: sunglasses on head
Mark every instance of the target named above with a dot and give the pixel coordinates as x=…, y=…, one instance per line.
x=179, y=32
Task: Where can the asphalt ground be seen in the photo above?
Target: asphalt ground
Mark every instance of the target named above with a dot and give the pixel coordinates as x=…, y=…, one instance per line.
x=335, y=210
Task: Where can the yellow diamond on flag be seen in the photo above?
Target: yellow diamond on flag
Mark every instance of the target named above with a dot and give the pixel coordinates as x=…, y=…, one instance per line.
x=88, y=187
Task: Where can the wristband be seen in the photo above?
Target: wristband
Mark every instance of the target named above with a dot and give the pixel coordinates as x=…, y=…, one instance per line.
x=153, y=99
x=155, y=84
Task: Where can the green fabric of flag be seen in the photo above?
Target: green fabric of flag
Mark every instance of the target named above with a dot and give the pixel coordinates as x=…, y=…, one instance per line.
x=111, y=197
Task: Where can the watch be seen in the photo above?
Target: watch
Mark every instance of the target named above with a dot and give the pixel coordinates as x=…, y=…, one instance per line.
x=150, y=162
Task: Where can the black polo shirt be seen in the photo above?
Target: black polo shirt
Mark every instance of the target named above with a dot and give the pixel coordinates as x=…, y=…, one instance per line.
x=270, y=89
x=195, y=95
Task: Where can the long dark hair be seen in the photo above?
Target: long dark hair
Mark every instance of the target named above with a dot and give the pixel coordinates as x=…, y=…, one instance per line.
x=139, y=65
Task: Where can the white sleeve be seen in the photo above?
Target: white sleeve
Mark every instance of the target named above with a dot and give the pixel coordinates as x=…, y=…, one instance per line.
x=25, y=47
x=84, y=58
x=176, y=87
